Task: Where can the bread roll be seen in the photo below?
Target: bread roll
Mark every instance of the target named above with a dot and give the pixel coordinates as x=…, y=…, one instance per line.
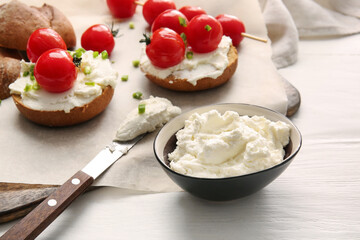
x=18, y=21
x=9, y=72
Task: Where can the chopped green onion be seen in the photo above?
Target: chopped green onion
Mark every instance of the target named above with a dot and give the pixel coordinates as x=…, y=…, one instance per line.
x=0, y=102
x=124, y=78
x=32, y=77
x=208, y=28
x=87, y=70
x=189, y=55
x=131, y=25
x=35, y=86
x=26, y=73
x=81, y=50
x=32, y=66
x=95, y=54
x=112, y=62
x=137, y=95
x=182, y=21
x=78, y=54
x=136, y=63
x=27, y=87
x=104, y=55
x=90, y=83
x=141, y=108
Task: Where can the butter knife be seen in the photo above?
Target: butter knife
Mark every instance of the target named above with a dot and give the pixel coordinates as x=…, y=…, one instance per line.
x=47, y=211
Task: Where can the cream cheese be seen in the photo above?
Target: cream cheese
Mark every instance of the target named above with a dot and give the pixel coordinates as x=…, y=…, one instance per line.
x=102, y=74
x=158, y=111
x=201, y=65
x=212, y=145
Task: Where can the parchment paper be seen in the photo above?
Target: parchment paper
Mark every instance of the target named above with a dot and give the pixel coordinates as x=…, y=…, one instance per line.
x=34, y=154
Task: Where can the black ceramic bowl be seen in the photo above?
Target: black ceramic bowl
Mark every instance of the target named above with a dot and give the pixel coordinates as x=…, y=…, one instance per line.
x=229, y=188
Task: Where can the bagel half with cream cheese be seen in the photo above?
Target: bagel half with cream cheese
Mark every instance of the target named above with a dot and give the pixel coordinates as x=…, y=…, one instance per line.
x=175, y=83
x=61, y=118
x=90, y=94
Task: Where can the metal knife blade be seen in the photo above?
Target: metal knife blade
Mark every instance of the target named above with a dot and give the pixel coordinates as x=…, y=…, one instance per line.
x=46, y=212
x=108, y=156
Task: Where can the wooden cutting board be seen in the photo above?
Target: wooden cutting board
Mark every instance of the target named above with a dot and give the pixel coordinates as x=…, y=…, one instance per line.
x=18, y=199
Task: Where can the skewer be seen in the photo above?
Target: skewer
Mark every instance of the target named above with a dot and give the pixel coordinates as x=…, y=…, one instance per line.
x=254, y=37
x=139, y=3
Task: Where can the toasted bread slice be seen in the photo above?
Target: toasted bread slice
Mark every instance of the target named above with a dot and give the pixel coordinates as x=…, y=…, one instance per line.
x=177, y=84
x=60, y=118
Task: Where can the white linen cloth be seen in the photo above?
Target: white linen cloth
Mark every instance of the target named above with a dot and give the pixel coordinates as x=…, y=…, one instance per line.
x=287, y=20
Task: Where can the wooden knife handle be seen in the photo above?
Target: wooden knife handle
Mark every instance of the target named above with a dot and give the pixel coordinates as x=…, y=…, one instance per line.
x=46, y=212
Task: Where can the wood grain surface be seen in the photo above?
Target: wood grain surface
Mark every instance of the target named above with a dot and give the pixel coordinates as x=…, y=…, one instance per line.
x=47, y=211
x=294, y=98
x=18, y=199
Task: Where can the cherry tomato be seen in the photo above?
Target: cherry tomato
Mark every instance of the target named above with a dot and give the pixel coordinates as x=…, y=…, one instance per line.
x=98, y=38
x=232, y=27
x=166, y=48
x=172, y=19
x=42, y=40
x=55, y=71
x=152, y=9
x=121, y=8
x=191, y=11
x=204, y=33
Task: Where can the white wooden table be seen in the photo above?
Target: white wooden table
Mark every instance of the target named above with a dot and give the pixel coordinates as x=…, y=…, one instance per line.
x=317, y=197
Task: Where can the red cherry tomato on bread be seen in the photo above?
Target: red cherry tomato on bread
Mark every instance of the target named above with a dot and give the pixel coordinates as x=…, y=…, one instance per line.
x=121, y=8
x=172, y=19
x=191, y=11
x=232, y=27
x=204, y=33
x=41, y=40
x=166, y=48
x=55, y=71
x=152, y=9
x=98, y=38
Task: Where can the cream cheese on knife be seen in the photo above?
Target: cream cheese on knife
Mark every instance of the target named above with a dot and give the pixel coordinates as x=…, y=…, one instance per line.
x=158, y=111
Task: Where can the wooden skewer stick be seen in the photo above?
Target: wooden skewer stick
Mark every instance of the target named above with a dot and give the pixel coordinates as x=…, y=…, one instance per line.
x=139, y=3
x=254, y=37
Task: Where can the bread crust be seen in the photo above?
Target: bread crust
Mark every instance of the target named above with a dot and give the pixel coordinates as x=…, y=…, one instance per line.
x=18, y=21
x=60, y=118
x=9, y=72
x=60, y=24
x=183, y=85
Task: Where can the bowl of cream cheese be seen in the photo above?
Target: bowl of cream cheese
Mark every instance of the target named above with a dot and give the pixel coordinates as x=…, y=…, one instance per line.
x=226, y=151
